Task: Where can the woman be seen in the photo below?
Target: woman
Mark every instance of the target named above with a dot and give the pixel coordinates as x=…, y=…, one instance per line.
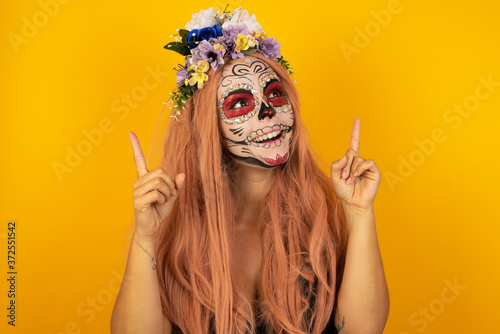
x=243, y=231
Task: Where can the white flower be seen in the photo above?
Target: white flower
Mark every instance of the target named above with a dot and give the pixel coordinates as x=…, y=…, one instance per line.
x=241, y=18
x=203, y=19
x=235, y=14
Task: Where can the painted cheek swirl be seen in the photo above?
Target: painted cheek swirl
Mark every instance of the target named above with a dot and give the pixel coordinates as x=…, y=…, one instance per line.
x=238, y=104
x=275, y=94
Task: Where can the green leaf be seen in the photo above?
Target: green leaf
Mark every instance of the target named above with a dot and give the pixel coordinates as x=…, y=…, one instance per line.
x=178, y=47
x=184, y=33
x=248, y=51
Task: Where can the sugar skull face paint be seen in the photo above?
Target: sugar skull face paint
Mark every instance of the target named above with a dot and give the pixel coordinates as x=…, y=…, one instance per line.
x=255, y=114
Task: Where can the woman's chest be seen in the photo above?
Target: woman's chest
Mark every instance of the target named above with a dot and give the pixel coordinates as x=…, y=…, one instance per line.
x=246, y=262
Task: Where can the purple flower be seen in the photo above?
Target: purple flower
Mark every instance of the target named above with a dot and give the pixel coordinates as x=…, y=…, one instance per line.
x=231, y=32
x=229, y=39
x=235, y=54
x=230, y=44
x=181, y=76
x=206, y=51
x=269, y=47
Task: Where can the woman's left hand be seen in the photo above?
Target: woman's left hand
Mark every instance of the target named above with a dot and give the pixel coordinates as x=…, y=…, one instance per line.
x=354, y=178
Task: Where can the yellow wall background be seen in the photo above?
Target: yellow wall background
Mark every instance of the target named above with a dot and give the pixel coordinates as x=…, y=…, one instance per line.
x=67, y=68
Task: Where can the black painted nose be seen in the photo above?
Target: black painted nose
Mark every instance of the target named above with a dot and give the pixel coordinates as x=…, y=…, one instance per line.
x=266, y=110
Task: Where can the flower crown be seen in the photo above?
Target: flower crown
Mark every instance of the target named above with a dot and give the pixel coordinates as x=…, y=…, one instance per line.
x=209, y=37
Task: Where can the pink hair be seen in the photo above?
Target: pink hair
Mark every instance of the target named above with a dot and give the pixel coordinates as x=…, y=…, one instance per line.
x=304, y=241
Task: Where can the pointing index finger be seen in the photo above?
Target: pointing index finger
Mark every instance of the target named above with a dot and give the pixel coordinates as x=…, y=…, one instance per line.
x=140, y=162
x=354, y=144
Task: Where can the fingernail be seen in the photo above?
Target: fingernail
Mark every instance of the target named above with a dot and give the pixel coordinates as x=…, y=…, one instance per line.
x=344, y=174
x=174, y=192
x=343, y=159
x=349, y=180
x=356, y=173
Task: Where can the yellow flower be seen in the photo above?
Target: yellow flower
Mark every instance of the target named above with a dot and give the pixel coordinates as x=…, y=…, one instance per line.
x=203, y=65
x=252, y=42
x=241, y=42
x=198, y=77
x=186, y=82
x=178, y=67
x=219, y=47
x=260, y=34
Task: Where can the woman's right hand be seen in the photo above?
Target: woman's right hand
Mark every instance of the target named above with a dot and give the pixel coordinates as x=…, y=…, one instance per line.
x=154, y=194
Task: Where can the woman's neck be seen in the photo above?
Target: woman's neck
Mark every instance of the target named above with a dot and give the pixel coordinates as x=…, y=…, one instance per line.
x=252, y=184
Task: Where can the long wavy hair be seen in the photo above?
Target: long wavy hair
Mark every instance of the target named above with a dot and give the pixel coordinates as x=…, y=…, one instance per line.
x=303, y=243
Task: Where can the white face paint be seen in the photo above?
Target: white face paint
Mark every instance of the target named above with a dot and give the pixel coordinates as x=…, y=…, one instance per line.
x=255, y=114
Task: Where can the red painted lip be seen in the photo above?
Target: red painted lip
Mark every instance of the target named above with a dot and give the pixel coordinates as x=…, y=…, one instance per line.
x=279, y=160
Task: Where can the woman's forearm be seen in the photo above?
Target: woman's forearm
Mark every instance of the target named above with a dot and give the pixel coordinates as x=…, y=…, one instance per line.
x=138, y=306
x=363, y=301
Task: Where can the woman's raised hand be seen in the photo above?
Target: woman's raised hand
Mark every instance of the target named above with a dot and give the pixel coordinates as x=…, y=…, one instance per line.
x=354, y=178
x=154, y=194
